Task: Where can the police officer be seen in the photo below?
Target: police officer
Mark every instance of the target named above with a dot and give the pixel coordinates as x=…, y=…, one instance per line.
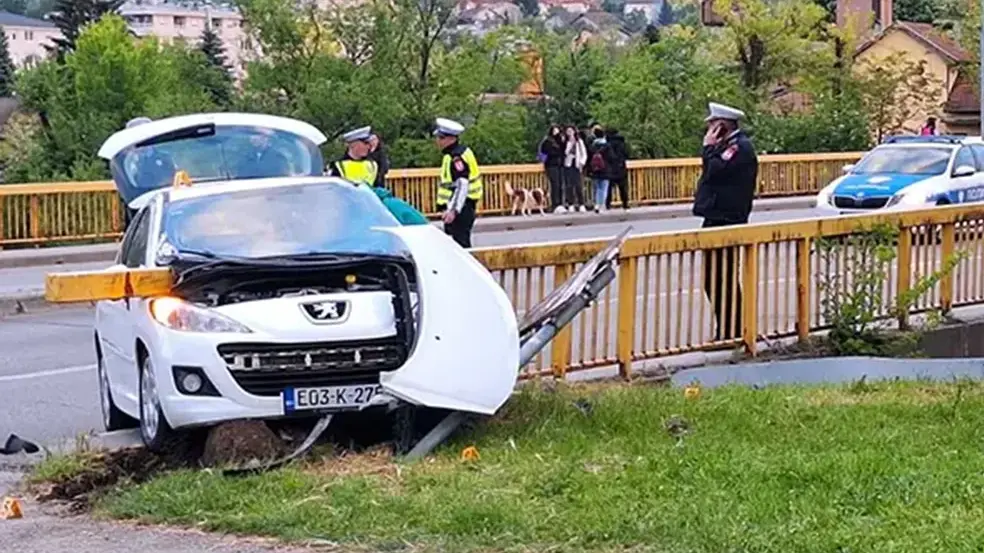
x=724, y=197
x=460, y=188
x=355, y=165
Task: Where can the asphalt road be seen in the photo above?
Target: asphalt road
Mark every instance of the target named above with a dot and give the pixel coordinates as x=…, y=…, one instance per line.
x=47, y=379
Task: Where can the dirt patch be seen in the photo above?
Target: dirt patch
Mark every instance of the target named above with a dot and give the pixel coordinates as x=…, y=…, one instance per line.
x=102, y=471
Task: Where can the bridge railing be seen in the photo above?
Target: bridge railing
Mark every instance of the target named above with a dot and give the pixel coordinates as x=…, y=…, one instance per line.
x=72, y=212
x=657, y=306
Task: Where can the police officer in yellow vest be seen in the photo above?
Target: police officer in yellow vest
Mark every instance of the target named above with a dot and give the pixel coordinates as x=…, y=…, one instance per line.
x=355, y=165
x=460, y=187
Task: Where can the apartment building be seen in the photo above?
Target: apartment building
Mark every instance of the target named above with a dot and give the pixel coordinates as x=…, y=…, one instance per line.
x=27, y=37
x=183, y=21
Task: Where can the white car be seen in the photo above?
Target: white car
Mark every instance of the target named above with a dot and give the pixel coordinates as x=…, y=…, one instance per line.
x=908, y=172
x=295, y=295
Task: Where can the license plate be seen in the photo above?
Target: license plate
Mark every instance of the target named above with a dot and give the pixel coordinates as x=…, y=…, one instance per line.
x=330, y=397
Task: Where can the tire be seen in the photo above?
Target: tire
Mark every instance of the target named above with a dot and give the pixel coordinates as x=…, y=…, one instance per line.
x=113, y=419
x=155, y=431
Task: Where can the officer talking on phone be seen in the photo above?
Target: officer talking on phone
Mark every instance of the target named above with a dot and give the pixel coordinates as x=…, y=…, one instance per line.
x=724, y=197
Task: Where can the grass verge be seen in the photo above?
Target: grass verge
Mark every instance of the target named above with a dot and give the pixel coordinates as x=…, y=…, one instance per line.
x=867, y=467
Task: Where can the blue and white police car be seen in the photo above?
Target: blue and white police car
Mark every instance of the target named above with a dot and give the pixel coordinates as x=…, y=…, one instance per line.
x=909, y=172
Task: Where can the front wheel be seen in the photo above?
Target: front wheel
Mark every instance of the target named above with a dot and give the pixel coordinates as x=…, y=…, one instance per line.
x=157, y=434
x=113, y=418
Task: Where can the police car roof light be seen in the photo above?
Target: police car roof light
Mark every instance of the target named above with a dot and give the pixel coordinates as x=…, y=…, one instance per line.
x=943, y=139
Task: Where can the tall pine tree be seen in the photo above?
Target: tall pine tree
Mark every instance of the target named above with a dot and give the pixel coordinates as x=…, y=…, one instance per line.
x=70, y=16
x=219, y=83
x=6, y=67
x=666, y=15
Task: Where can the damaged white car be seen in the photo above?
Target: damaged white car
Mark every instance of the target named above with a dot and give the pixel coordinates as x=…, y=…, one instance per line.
x=295, y=295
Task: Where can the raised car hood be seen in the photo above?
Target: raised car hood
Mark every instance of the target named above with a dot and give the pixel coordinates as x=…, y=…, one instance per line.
x=467, y=352
x=885, y=184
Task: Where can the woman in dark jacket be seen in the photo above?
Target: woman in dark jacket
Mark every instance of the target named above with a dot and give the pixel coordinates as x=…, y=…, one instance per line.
x=618, y=172
x=552, y=153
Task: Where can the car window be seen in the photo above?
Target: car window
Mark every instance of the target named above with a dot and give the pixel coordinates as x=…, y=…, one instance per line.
x=978, y=150
x=964, y=157
x=325, y=217
x=904, y=160
x=135, y=252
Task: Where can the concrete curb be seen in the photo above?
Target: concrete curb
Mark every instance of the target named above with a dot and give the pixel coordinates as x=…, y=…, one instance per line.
x=99, y=253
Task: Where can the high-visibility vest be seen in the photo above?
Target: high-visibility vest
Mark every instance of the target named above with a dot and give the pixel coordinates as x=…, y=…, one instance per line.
x=445, y=190
x=357, y=170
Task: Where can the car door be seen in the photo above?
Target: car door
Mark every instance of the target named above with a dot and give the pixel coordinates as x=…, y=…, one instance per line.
x=964, y=187
x=116, y=317
x=976, y=193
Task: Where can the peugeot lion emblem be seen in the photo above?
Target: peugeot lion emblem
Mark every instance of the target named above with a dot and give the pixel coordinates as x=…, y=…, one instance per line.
x=326, y=312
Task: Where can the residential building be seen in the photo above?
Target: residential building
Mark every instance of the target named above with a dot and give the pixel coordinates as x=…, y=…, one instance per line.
x=27, y=37
x=572, y=6
x=184, y=22
x=649, y=8
x=945, y=60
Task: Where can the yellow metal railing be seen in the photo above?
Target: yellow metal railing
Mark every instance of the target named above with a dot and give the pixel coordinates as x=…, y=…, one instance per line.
x=87, y=211
x=658, y=306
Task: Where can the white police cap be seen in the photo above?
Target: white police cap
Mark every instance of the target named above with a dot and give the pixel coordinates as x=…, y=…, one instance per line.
x=138, y=121
x=447, y=127
x=358, y=134
x=721, y=111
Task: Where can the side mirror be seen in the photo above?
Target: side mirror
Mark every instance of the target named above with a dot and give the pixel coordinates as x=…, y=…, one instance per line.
x=964, y=171
x=847, y=168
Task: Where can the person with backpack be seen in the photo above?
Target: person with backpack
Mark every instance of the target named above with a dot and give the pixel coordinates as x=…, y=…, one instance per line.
x=551, y=154
x=598, y=167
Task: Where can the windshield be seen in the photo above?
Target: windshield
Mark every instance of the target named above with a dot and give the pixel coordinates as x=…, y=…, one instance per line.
x=283, y=220
x=215, y=153
x=908, y=161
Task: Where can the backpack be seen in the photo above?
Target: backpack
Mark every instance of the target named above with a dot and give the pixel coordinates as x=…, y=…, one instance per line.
x=598, y=162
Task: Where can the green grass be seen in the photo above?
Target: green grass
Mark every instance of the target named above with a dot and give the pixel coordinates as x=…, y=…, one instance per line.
x=61, y=467
x=886, y=467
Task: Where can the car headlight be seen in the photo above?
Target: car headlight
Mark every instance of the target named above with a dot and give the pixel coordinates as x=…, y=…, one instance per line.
x=907, y=199
x=178, y=314
x=823, y=197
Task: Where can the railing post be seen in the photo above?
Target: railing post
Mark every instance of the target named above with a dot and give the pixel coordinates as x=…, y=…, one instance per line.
x=803, y=287
x=946, y=282
x=627, y=292
x=749, y=293
x=905, y=273
x=2, y=202
x=35, y=217
x=560, y=353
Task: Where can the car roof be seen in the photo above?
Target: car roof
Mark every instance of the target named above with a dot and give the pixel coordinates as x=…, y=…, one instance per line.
x=937, y=140
x=222, y=187
x=125, y=138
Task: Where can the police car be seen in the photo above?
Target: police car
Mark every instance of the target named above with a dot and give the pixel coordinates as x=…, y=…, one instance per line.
x=909, y=172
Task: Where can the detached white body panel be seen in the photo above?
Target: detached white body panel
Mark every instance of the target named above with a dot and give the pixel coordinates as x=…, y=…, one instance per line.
x=467, y=352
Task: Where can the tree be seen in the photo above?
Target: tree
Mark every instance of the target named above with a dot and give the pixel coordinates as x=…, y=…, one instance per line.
x=613, y=6
x=14, y=6
x=635, y=21
x=219, y=81
x=666, y=16
x=918, y=11
x=896, y=90
x=529, y=8
x=773, y=40
x=71, y=16
x=6, y=67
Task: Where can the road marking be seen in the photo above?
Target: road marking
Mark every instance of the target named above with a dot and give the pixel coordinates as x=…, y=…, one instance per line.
x=52, y=372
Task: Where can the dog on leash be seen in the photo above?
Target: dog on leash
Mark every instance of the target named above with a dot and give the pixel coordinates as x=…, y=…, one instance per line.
x=525, y=201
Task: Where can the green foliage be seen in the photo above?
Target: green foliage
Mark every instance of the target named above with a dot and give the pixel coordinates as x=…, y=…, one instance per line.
x=853, y=283
x=71, y=17
x=18, y=7
x=398, y=65
x=6, y=66
x=894, y=90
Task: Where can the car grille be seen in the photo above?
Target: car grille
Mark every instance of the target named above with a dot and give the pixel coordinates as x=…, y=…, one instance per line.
x=848, y=202
x=266, y=369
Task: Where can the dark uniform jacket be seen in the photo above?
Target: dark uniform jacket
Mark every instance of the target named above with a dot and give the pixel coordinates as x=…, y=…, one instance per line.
x=381, y=157
x=727, y=182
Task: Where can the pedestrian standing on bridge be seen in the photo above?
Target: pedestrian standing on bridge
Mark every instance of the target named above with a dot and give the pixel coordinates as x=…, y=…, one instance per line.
x=460, y=188
x=724, y=197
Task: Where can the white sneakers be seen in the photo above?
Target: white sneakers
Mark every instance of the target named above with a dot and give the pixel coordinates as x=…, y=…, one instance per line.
x=564, y=209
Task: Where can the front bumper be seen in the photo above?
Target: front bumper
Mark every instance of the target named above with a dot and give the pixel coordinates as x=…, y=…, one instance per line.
x=250, y=391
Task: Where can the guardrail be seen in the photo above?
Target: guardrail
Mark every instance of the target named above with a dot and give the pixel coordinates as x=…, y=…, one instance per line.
x=57, y=213
x=658, y=307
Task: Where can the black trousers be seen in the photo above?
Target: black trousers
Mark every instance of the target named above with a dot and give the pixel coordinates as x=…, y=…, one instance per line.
x=573, y=187
x=723, y=287
x=461, y=228
x=623, y=191
x=555, y=177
